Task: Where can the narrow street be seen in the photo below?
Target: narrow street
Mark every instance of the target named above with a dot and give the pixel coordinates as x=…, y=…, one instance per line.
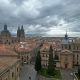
x=28, y=71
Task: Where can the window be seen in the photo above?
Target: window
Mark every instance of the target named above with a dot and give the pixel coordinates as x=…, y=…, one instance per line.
x=12, y=74
x=77, y=59
x=17, y=69
x=56, y=57
x=7, y=40
x=69, y=46
x=46, y=55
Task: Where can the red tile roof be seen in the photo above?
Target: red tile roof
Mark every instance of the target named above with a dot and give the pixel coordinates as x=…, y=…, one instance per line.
x=5, y=51
x=25, y=47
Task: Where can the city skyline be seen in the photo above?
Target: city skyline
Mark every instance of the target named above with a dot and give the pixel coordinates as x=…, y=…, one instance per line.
x=45, y=18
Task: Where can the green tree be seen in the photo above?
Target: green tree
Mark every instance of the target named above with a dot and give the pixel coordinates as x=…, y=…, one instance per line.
x=51, y=67
x=38, y=62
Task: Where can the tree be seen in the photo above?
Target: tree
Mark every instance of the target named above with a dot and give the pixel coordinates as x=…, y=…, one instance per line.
x=38, y=62
x=51, y=66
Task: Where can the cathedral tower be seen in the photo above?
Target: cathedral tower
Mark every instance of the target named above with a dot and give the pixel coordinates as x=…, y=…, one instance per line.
x=21, y=34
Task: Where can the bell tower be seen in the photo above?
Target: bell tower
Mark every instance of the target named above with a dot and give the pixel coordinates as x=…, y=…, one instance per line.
x=20, y=33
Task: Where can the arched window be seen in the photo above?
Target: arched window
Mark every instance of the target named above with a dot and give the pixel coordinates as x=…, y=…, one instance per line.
x=12, y=74
x=17, y=69
x=7, y=40
x=56, y=57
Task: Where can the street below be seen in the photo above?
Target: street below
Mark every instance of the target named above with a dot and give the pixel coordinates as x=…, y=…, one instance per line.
x=67, y=74
x=28, y=73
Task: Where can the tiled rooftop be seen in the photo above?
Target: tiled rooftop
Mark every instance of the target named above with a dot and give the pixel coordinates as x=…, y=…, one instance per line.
x=25, y=47
x=46, y=46
x=5, y=51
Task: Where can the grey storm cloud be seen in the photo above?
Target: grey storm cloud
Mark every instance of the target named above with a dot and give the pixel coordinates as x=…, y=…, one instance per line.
x=45, y=17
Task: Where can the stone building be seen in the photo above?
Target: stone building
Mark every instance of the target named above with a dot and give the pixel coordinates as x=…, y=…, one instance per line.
x=10, y=65
x=66, y=59
x=9, y=69
x=45, y=54
x=73, y=46
x=65, y=53
x=7, y=38
x=5, y=33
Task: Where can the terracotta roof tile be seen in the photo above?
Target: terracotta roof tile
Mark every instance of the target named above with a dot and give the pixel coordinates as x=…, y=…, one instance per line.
x=5, y=51
x=25, y=47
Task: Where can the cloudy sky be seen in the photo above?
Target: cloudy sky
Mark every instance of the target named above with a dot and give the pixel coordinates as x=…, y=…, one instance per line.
x=41, y=17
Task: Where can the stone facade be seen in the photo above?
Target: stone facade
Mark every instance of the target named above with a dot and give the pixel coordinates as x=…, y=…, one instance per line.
x=45, y=54
x=66, y=59
x=7, y=38
x=9, y=69
x=66, y=56
x=10, y=65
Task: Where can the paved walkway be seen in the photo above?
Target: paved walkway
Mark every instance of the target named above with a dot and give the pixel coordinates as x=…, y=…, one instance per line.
x=28, y=71
x=67, y=75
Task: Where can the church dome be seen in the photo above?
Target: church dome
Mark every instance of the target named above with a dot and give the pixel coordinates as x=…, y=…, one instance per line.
x=5, y=32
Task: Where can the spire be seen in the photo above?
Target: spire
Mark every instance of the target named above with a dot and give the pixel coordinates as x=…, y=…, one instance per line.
x=18, y=28
x=18, y=32
x=22, y=27
x=22, y=33
x=66, y=35
x=5, y=27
